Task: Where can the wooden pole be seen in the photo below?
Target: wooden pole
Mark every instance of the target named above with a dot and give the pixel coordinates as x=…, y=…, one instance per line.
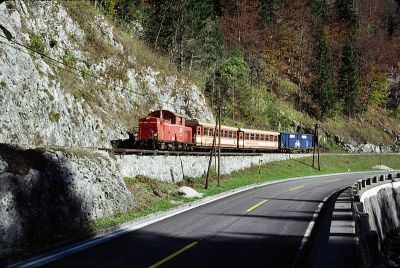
x=315, y=143
x=219, y=146
x=319, y=165
x=211, y=154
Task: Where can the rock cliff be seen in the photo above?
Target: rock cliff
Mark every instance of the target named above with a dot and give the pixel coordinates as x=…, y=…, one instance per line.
x=71, y=77
x=47, y=194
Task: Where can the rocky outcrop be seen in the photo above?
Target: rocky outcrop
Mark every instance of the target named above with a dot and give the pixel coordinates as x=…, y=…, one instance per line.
x=47, y=194
x=369, y=148
x=87, y=87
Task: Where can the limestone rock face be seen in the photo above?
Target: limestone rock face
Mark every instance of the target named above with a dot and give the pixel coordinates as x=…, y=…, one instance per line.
x=73, y=95
x=50, y=193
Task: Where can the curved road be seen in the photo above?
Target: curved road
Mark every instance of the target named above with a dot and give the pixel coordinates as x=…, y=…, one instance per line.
x=258, y=228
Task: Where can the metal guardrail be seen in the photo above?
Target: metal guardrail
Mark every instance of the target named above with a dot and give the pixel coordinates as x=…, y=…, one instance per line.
x=369, y=251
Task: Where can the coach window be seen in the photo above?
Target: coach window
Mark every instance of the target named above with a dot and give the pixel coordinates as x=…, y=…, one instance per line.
x=246, y=136
x=199, y=131
x=275, y=138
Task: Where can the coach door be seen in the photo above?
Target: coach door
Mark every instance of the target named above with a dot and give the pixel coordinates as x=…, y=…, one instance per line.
x=240, y=140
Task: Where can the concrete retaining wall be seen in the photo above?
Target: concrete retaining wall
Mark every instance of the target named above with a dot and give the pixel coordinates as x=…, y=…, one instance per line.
x=175, y=168
x=382, y=203
x=376, y=210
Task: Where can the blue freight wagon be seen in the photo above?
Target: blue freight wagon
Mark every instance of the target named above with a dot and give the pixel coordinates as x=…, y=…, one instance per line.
x=296, y=141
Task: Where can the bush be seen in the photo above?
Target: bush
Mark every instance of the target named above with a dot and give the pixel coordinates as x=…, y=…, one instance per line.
x=379, y=85
x=54, y=117
x=69, y=58
x=286, y=87
x=3, y=84
x=37, y=43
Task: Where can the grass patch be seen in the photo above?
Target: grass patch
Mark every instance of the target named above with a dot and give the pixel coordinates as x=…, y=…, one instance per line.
x=153, y=196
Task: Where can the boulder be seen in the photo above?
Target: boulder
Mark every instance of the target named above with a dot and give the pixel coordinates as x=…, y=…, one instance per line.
x=189, y=192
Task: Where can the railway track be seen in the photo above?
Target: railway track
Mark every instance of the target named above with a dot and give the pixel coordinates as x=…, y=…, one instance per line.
x=122, y=151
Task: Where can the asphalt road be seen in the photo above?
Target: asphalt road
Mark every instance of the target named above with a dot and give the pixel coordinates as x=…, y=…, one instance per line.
x=262, y=227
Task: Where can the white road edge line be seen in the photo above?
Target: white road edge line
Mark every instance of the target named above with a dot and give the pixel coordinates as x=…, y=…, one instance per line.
x=140, y=223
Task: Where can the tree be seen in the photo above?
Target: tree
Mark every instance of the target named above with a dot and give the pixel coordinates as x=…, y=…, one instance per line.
x=320, y=8
x=188, y=31
x=323, y=86
x=346, y=12
x=268, y=10
x=348, y=79
x=233, y=84
x=242, y=29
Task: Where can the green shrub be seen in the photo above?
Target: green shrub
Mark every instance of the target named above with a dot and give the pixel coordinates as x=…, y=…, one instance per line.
x=85, y=72
x=83, y=94
x=69, y=58
x=54, y=116
x=37, y=43
x=379, y=85
x=397, y=112
x=286, y=87
x=3, y=84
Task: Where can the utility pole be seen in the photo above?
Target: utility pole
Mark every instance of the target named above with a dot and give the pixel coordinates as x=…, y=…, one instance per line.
x=219, y=146
x=316, y=144
x=319, y=164
x=211, y=153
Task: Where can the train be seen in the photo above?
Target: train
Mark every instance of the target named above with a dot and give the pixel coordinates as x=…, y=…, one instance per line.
x=165, y=130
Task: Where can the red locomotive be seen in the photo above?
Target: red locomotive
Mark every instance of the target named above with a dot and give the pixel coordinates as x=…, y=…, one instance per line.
x=162, y=130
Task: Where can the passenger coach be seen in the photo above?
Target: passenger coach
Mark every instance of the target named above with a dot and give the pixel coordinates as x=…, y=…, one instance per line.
x=258, y=139
x=203, y=134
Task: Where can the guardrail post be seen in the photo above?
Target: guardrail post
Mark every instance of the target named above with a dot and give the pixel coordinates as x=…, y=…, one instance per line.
x=364, y=220
x=368, y=181
x=372, y=242
x=359, y=185
x=363, y=183
x=360, y=206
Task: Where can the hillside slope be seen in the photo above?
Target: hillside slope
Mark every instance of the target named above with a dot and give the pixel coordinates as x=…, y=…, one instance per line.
x=70, y=77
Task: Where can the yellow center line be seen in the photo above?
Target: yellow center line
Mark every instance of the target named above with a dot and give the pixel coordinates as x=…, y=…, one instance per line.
x=256, y=205
x=296, y=188
x=173, y=255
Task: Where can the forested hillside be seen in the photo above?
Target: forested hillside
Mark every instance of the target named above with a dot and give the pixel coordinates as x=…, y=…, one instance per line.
x=284, y=64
